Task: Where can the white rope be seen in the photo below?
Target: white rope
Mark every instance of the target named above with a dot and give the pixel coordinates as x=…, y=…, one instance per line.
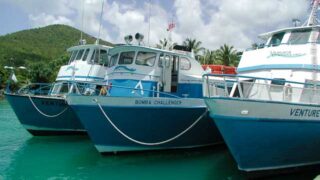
x=49, y=116
x=146, y=143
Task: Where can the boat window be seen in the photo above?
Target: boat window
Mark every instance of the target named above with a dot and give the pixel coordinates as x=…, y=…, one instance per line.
x=185, y=64
x=276, y=39
x=94, y=58
x=85, y=55
x=113, y=60
x=64, y=88
x=164, y=60
x=73, y=56
x=161, y=59
x=79, y=55
x=126, y=57
x=299, y=36
x=103, y=60
x=103, y=57
x=146, y=58
x=55, y=89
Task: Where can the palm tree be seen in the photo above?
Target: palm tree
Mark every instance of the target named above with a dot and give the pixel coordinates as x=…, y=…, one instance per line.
x=208, y=57
x=194, y=45
x=227, y=55
x=164, y=43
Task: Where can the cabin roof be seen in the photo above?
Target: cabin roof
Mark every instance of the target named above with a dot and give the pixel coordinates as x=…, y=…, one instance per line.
x=265, y=36
x=88, y=46
x=145, y=48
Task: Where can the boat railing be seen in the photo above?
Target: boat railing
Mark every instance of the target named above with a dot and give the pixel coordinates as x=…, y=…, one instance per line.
x=35, y=89
x=91, y=89
x=48, y=89
x=246, y=87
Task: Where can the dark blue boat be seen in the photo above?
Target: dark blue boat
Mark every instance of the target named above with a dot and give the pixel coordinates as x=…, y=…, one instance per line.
x=42, y=109
x=153, y=101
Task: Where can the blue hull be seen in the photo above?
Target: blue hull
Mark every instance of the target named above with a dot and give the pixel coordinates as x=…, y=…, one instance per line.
x=146, y=124
x=265, y=142
x=37, y=124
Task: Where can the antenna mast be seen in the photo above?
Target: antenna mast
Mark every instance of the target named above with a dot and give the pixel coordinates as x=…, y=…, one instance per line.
x=149, y=22
x=313, y=15
x=81, y=37
x=312, y=21
x=97, y=42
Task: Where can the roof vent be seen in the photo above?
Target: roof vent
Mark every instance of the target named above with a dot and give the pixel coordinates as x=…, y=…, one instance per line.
x=82, y=42
x=139, y=37
x=128, y=39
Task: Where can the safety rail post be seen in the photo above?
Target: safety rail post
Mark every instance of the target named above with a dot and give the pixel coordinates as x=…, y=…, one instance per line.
x=209, y=95
x=225, y=87
x=239, y=88
x=153, y=89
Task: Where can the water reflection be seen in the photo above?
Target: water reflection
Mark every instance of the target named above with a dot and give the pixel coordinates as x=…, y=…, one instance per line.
x=76, y=158
x=23, y=156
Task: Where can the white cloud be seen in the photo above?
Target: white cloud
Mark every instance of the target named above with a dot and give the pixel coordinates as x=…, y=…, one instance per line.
x=214, y=22
x=129, y=20
x=53, y=7
x=44, y=19
x=235, y=22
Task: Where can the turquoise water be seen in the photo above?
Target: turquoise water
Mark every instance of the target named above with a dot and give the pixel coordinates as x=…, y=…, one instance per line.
x=23, y=156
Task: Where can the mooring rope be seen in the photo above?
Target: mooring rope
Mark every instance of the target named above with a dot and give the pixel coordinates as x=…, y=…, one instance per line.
x=146, y=143
x=46, y=115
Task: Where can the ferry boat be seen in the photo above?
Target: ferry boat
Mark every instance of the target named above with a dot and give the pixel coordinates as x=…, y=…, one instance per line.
x=270, y=118
x=153, y=102
x=42, y=109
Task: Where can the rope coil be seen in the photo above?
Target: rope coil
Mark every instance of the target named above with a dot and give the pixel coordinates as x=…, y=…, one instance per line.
x=146, y=143
x=46, y=115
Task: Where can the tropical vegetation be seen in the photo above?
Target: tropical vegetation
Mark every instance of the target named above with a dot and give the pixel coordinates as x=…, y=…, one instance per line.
x=225, y=55
x=41, y=50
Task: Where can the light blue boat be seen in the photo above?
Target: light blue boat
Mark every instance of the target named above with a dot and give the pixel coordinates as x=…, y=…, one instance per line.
x=153, y=101
x=267, y=126
x=270, y=118
x=42, y=109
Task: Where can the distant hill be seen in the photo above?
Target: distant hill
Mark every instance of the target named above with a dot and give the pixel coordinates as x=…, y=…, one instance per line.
x=39, y=48
x=40, y=44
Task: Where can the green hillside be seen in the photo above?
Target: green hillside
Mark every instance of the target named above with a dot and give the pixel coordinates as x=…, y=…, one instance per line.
x=41, y=50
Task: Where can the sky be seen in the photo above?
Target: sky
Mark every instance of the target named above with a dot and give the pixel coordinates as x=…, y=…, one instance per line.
x=213, y=22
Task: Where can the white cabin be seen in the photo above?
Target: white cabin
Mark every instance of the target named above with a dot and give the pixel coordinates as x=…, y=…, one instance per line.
x=87, y=63
x=290, y=54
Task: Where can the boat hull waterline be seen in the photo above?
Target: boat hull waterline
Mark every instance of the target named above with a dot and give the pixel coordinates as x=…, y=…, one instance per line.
x=45, y=115
x=264, y=135
x=140, y=123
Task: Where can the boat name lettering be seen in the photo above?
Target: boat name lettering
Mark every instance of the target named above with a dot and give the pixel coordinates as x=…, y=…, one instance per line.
x=158, y=102
x=287, y=54
x=142, y=102
x=52, y=103
x=167, y=102
x=305, y=113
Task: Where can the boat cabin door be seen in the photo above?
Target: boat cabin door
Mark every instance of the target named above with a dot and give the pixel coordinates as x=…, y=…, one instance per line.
x=170, y=67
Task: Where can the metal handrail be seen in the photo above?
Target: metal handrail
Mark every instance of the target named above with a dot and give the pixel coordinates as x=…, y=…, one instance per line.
x=261, y=89
x=236, y=77
x=96, y=91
